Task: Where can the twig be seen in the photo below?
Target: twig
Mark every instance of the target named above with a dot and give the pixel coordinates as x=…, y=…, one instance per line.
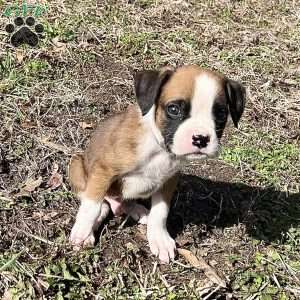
x=154, y=268
x=61, y=277
x=36, y=237
x=123, y=223
x=182, y=265
x=166, y=284
x=211, y=293
x=276, y=281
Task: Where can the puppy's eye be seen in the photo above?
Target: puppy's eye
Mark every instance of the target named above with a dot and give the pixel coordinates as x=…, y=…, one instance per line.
x=173, y=111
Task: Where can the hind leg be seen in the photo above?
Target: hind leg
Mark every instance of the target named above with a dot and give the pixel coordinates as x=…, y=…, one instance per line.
x=90, y=212
x=119, y=207
x=82, y=233
x=78, y=229
x=136, y=211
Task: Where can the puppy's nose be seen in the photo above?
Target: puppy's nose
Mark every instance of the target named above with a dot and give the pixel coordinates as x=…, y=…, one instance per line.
x=200, y=141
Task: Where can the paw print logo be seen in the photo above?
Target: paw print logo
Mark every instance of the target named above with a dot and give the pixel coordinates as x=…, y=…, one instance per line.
x=24, y=32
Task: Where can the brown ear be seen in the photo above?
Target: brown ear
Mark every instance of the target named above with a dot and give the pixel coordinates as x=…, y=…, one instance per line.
x=236, y=97
x=148, y=85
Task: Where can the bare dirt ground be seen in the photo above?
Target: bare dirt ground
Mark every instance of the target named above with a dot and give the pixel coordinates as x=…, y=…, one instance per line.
x=240, y=212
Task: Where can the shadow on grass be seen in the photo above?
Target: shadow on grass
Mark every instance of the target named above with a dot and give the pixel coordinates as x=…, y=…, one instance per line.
x=266, y=212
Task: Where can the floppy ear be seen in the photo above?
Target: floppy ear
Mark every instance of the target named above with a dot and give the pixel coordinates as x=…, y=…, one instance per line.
x=148, y=85
x=236, y=97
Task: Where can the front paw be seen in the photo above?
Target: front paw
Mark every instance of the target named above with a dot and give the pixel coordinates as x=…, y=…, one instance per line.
x=161, y=244
x=82, y=236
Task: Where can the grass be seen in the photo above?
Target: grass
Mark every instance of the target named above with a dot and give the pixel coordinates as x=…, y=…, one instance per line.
x=240, y=213
x=267, y=158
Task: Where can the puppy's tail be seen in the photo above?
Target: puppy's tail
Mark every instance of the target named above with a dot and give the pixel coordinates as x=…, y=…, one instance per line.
x=76, y=173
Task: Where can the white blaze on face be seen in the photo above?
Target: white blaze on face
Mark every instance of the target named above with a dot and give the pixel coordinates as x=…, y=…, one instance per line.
x=201, y=120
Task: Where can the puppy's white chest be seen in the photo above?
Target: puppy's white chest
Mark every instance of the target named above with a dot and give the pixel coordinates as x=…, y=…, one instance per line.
x=149, y=176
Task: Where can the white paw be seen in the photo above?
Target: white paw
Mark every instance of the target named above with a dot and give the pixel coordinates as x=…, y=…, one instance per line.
x=82, y=235
x=161, y=244
x=137, y=211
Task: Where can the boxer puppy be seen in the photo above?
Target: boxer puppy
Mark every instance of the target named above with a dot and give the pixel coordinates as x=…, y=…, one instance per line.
x=180, y=116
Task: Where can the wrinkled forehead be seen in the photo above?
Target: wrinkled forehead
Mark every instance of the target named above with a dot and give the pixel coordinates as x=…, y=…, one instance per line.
x=195, y=85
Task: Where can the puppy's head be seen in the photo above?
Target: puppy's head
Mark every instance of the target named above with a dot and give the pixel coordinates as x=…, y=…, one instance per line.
x=190, y=107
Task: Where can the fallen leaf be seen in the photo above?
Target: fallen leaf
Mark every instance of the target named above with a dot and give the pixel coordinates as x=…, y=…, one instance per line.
x=85, y=125
x=56, y=179
x=19, y=55
x=31, y=184
x=141, y=233
x=46, y=216
x=183, y=241
x=58, y=46
x=27, y=124
x=28, y=187
x=84, y=45
x=200, y=263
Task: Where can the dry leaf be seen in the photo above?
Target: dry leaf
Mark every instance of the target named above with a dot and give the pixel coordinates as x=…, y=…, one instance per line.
x=58, y=46
x=27, y=124
x=141, y=233
x=31, y=184
x=85, y=125
x=46, y=216
x=200, y=263
x=56, y=179
x=84, y=45
x=19, y=55
x=183, y=241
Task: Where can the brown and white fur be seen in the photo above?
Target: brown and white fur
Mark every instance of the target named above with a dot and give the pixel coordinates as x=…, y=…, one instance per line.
x=180, y=116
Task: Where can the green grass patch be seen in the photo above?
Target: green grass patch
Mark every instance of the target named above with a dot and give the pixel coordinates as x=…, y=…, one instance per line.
x=259, y=58
x=268, y=272
x=65, y=28
x=36, y=67
x=272, y=161
x=8, y=72
x=136, y=43
x=19, y=77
